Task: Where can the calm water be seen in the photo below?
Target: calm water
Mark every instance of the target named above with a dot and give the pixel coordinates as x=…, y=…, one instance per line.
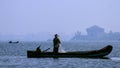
x=14, y=55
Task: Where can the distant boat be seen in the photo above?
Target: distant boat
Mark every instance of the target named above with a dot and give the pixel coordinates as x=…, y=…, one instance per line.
x=13, y=42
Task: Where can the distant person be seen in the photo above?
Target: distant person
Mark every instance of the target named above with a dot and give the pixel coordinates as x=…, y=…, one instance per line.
x=56, y=43
x=38, y=50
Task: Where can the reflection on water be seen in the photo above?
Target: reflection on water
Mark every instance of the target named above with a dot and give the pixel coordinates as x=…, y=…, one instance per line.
x=24, y=62
x=115, y=58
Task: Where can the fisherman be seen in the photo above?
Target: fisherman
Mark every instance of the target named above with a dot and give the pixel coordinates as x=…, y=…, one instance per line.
x=56, y=42
x=38, y=50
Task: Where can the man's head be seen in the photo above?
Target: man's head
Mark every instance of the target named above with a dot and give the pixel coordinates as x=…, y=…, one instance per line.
x=56, y=35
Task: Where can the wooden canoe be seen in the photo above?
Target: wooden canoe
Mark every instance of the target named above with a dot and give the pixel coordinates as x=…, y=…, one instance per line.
x=75, y=54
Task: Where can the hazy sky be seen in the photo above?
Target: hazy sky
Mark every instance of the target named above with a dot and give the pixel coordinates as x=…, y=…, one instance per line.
x=56, y=16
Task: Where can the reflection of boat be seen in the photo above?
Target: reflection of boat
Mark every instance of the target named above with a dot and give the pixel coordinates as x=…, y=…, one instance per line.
x=13, y=42
x=75, y=54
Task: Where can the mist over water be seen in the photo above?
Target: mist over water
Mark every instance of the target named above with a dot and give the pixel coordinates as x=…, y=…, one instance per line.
x=33, y=21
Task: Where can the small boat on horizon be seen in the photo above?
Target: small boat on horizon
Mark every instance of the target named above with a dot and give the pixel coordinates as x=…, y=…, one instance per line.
x=13, y=42
x=101, y=53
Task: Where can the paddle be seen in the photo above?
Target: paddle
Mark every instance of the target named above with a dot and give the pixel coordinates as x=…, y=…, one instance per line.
x=43, y=50
x=46, y=50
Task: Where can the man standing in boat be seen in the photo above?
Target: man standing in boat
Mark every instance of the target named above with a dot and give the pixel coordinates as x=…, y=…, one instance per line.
x=56, y=42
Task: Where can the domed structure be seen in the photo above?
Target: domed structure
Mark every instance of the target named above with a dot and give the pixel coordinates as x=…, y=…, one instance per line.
x=95, y=30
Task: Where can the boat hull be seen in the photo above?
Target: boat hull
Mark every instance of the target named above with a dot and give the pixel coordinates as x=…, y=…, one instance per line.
x=76, y=54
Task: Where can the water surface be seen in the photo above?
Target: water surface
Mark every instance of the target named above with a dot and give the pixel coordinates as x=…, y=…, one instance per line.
x=15, y=56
